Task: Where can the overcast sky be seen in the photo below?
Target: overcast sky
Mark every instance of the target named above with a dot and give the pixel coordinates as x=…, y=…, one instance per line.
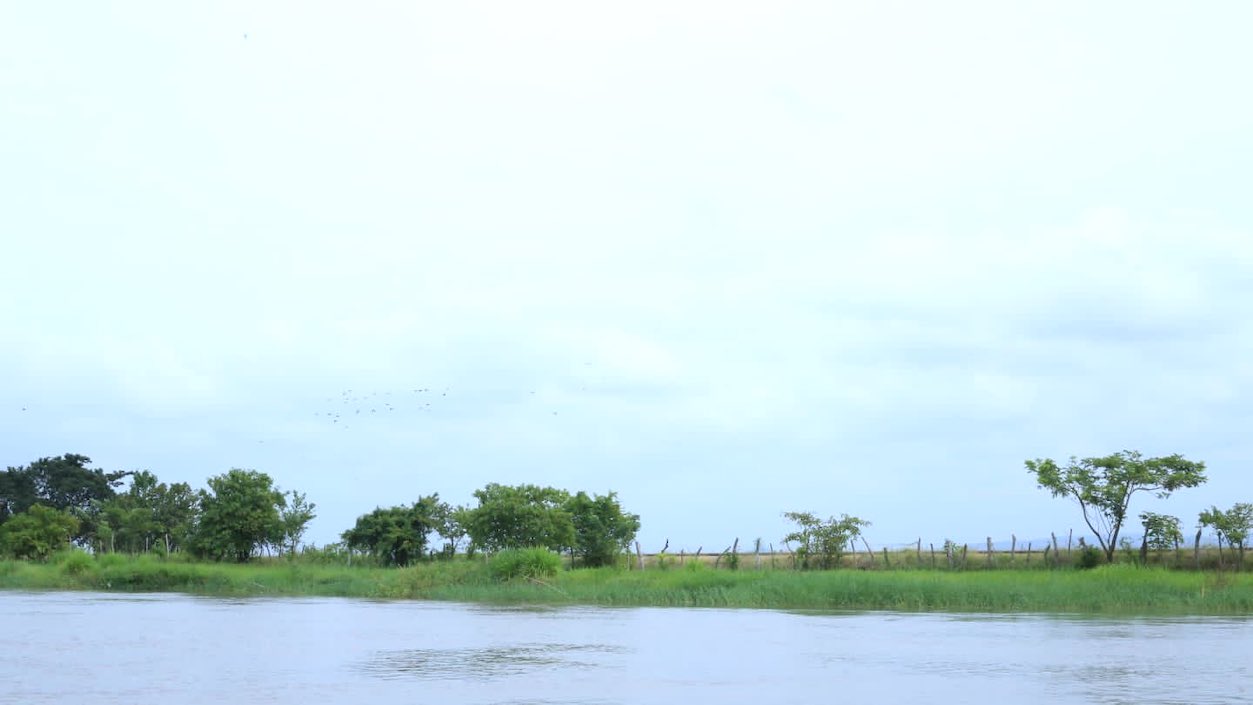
x=726, y=259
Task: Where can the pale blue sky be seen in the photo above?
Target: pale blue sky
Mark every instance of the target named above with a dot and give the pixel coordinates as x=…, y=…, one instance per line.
x=727, y=259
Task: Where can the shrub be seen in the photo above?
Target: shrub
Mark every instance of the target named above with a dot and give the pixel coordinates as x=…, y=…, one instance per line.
x=73, y=561
x=1089, y=557
x=524, y=563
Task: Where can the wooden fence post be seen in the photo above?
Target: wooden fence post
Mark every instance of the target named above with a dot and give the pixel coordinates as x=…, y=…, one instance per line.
x=989, y=551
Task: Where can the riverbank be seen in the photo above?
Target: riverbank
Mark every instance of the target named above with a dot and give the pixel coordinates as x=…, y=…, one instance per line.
x=1118, y=589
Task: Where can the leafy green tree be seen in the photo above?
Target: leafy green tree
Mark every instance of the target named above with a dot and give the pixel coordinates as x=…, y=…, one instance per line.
x=1104, y=486
x=602, y=531
x=64, y=482
x=450, y=524
x=522, y=516
x=124, y=525
x=37, y=532
x=18, y=491
x=238, y=516
x=174, y=511
x=295, y=516
x=1162, y=532
x=396, y=535
x=149, y=515
x=1232, y=526
x=822, y=541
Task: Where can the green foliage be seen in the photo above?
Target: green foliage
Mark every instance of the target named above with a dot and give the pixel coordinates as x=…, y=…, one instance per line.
x=1162, y=532
x=37, y=532
x=239, y=516
x=1109, y=589
x=1232, y=526
x=522, y=516
x=73, y=561
x=1089, y=557
x=450, y=524
x=1104, y=486
x=602, y=531
x=524, y=563
x=821, y=544
x=294, y=516
x=61, y=483
x=396, y=535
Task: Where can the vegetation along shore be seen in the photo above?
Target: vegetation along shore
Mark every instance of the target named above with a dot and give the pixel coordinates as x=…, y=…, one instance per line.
x=1116, y=589
x=64, y=525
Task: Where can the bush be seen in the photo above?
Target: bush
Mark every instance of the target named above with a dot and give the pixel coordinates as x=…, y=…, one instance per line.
x=73, y=561
x=1089, y=557
x=524, y=563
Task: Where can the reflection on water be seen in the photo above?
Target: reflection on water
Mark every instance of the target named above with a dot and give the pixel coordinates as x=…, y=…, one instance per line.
x=180, y=650
x=485, y=663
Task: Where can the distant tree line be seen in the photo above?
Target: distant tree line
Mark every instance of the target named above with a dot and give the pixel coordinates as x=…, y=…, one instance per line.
x=593, y=529
x=54, y=502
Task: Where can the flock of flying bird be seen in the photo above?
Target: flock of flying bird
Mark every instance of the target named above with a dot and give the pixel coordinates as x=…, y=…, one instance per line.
x=353, y=406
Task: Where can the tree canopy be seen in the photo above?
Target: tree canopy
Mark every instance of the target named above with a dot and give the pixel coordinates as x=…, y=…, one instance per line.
x=522, y=516
x=397, y=535
x=63, y=483
x=602, y=531
x=1232, y=526
x=238, y=516
x=1104, y=486
x=149, y=514
x=822, y=542
x=37, y=532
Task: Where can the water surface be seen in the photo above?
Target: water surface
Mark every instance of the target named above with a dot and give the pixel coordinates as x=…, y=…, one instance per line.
x=73, y=647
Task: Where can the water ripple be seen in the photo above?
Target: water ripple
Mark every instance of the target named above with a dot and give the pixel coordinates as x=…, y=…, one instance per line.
x=485, y=663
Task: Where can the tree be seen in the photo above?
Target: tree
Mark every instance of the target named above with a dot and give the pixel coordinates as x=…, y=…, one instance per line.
x=1232, y=526
x=450, y=524
x=64, y=483
x=823, y=540
x=174, y=511
x=238, y=516
x=602, y=531
x=1162, y=532
x=37, y=532
x=396, y=535
x=295, y=516
x=1104, y=486
x=525, y=516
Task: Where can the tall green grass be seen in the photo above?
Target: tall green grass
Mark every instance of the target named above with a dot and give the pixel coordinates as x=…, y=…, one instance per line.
x=1108, y=589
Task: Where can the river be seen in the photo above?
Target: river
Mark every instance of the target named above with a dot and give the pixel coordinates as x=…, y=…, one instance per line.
x=168, y=649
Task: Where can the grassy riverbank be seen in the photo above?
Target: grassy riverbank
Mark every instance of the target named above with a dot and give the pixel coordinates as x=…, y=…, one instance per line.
x=1110, y=589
